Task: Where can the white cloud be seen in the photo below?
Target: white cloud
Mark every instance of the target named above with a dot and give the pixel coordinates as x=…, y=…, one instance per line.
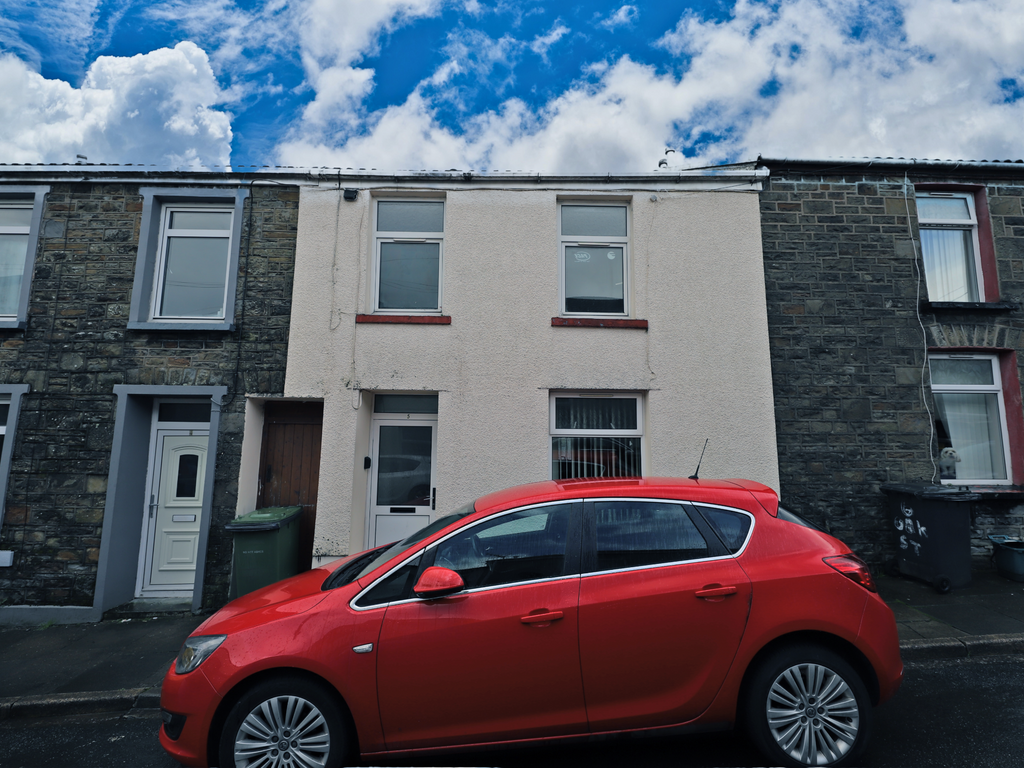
x=542, y=43
x=623, y=17
x=802, y=78
x=68, y=25
x=155, y=108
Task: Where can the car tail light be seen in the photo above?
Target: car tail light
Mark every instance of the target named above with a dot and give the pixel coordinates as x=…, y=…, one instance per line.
x=852, y=567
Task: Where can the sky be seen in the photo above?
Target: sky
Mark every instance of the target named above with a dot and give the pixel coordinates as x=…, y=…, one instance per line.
x=550, y=86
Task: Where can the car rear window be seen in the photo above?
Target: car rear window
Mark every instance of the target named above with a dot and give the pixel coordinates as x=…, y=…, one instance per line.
x=793, y=517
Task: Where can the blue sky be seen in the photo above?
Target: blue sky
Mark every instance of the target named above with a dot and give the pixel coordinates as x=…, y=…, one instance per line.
x=555, y=87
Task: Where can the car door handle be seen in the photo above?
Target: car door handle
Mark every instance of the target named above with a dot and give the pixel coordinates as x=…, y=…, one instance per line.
x=540, y=618
x=715, y=590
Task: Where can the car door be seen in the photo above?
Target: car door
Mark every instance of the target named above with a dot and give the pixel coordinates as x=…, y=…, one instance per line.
x=662, y=610
x=500, y=659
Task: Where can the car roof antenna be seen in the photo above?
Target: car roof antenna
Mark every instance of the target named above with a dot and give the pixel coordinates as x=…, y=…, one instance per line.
x=697, y=470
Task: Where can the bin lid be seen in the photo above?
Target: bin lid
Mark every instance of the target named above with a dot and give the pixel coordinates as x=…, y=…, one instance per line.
x=929, y=491
x=266, y=519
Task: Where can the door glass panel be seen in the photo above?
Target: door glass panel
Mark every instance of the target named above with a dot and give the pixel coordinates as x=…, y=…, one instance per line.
x=197, y=412
x=635, y=533
x=188, y=475
x=405, y=403
x=403, y=465
x=523, y=546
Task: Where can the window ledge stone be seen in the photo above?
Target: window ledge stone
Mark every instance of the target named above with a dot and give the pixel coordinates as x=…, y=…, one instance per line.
x=969, y=306
x=150, y=325
x=598, y=322
x=405, y=319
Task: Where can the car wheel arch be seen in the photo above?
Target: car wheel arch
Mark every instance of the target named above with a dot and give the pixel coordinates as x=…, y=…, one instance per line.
x=838, y=645
x=244, y=686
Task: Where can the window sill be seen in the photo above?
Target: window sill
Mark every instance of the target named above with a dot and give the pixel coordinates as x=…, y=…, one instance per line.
x=13, y=322
x=405, y=319
x=155, y=325
x=597, y=322
x=969, y=306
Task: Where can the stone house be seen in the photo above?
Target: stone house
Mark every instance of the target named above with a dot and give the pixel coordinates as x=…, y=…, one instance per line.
x=140, y=311
x=894, y=294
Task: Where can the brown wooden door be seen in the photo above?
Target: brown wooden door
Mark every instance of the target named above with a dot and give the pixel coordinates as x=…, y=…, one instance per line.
x=290, y=464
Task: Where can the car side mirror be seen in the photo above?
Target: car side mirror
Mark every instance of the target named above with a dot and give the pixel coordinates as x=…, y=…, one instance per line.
x=438, y=582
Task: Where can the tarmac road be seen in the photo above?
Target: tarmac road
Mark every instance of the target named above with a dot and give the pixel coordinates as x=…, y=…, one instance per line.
x=957, y=713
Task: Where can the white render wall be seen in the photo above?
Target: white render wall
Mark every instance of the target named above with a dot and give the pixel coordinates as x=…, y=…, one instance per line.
x=696, y=275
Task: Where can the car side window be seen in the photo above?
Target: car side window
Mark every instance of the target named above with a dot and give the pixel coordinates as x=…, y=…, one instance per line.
x=523, y=546
x=396, y=586
x=630, y=534
x=731, y=527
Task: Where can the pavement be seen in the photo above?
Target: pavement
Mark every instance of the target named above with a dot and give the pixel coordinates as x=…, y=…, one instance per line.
x=118, y=665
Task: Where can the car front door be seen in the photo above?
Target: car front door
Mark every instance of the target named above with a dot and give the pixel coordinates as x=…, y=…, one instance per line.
x=660, y=617
x=500, y=659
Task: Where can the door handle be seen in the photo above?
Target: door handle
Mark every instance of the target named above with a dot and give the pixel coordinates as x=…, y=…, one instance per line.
x=541, y=618
x=715, y=590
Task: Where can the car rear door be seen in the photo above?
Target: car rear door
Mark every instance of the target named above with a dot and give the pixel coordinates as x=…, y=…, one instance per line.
x=499, y=660
x=663, y=607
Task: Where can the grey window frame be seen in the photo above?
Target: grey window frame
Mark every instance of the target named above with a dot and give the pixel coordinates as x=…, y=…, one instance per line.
x=151, y=235
x=36, y=195
x=11, y=393
x=387, y=236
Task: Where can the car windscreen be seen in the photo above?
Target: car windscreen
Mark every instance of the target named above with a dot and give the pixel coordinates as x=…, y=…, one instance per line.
x=410, y=541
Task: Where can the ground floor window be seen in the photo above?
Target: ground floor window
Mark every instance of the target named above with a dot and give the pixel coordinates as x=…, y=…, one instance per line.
x=596, y=435
x=970, y=418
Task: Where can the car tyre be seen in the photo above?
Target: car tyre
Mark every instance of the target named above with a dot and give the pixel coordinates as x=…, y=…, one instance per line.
x=807, y=706
x=284, y=721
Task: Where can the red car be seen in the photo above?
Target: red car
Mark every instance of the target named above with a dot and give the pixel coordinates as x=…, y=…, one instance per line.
x=551, y=611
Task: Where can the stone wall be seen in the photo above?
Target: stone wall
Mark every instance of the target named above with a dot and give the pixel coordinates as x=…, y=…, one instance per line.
x=849, y=341
x=77, y=347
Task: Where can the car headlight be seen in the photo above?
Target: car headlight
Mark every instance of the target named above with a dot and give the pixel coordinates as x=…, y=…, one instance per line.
x=195, y=651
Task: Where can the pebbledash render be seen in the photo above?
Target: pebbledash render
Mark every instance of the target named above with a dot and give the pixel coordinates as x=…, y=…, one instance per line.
x=894, y=293
x=140, y=312
x=469, y=332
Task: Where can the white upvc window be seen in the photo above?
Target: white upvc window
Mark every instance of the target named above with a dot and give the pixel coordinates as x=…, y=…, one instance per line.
x=970, y=419
x=596, y=434
x=948, y=224
x=192, y=265
x=15, y=230
x=408, y=256
x=593, y=264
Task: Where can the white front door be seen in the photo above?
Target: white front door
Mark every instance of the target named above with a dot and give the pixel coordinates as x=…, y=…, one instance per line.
x=170, y=540
x=402, y=486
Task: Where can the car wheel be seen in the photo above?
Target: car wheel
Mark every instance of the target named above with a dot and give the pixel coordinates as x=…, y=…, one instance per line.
x=807, y=706
x=284, y=722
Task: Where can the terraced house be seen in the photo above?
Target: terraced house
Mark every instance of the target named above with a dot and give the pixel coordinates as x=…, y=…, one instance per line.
x=140, y=311
x=894, y=293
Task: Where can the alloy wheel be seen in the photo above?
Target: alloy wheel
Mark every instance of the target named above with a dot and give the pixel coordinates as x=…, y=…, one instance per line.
x=812, y=714
x=283, y=732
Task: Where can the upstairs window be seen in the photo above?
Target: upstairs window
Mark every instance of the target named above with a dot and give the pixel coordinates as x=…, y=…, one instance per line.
x=186, y=270
x=21, y=211
x=594, y=246
x=595, y=435
x=192, y=269
x=15, y=228
x=948, y=224
x=410, y=235
x=970, y=418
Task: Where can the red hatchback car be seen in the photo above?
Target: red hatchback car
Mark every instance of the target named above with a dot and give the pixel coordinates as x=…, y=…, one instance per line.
x=550, y=611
